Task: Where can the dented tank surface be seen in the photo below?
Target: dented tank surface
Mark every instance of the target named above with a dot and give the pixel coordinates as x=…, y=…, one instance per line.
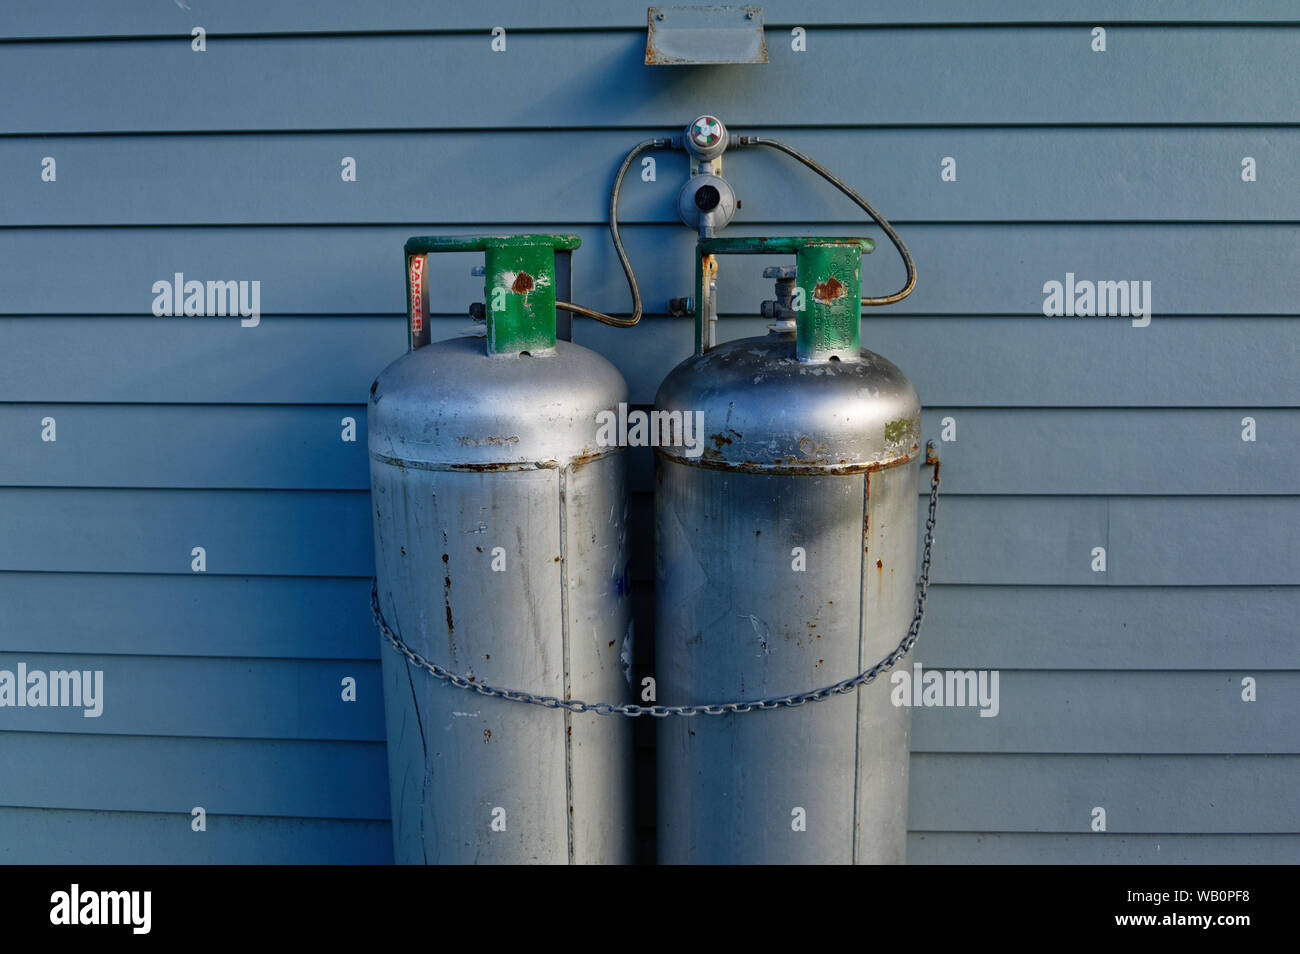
x=501, y=554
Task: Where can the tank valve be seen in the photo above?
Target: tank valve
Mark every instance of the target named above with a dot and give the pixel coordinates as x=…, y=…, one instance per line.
x=706, y=201
x=782, y=308
x=476, y=309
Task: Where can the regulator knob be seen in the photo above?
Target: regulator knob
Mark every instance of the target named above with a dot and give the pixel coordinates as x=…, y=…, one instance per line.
x=706, y=138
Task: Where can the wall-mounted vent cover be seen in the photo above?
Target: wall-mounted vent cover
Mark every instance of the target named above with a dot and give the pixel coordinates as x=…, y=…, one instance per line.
x=693, y=36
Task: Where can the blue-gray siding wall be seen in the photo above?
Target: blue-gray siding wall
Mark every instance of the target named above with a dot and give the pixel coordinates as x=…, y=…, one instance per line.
x=1120, y=689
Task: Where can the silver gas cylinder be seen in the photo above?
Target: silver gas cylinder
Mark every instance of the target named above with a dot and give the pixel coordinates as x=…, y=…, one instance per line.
x=501, y=556
x=785, y=561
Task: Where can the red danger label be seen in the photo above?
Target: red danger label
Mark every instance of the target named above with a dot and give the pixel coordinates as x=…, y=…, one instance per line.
x=417, y=294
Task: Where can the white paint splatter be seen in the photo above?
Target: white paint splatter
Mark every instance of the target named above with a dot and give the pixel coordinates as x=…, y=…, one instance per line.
x=625, y=654
x=761, y=631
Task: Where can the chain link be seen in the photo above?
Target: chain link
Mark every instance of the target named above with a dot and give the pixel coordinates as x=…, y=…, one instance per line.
x=718, y=708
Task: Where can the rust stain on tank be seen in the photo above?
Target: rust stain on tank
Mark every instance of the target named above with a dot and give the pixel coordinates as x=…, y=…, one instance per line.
x=719, y=440
x=712, y=459
x=830, y=290
x=446, y=598
x=585, y=458
x=813, y=452
x=880, y=564
x=523, y=283
x=487, y=736
x=451, y=626
x=504, y=467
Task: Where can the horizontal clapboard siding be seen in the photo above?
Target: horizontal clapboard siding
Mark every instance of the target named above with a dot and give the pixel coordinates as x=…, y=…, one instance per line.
x=1015, y=174
x=1236, y=794
x=1024, y=627
x=272, y=617
x=1152, y=451
x=991, y=540
x=1040, y=712
x=67, y=18
x=915, y=77
x=1121, y=689
x=992, y=848
x=1150, y=541
x=1226, y=794
x=304, y=779
x=1132, y=712
x=218, y=446
x=53, y=836
x=273, y=533
x=1140, y=628
x=996, y=361
x=971, y=269
x=211, y=698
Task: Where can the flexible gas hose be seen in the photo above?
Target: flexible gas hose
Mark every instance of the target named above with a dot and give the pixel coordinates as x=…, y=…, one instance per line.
x=618, y=245
x=862, y=203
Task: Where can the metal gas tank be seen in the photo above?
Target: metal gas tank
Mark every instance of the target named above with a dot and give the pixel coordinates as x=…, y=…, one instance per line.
x=501, y=555
x=785, y=561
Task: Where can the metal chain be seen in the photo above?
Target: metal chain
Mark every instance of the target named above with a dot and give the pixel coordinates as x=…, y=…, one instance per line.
x=661, y=711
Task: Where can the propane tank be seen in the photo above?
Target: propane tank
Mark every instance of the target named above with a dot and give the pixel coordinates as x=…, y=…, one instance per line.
x=785, y=560
x=501, y=556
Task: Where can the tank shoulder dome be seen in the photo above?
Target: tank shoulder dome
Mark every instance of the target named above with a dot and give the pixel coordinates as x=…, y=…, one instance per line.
x=765, y=409
x=450, y=403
